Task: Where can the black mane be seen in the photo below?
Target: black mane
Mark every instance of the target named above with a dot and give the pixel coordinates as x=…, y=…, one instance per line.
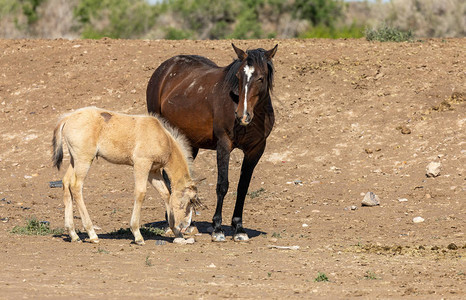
x=256, y=58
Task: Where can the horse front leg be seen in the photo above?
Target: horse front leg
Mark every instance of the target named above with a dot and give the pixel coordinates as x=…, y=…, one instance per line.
x=223, y=159
x=141, y=175
x=247, y=168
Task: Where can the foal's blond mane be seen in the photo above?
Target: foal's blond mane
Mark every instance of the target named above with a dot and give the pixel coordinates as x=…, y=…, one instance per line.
x=179, y=137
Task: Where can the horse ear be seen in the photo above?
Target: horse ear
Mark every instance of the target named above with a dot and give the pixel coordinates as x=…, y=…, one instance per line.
x=271, y=53
x=240, y=53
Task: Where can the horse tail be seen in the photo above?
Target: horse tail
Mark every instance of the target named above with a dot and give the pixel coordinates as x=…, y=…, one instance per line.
x=57, y=142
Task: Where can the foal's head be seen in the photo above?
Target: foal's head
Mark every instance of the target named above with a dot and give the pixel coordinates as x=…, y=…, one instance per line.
x=255, y=79
x=182, y=204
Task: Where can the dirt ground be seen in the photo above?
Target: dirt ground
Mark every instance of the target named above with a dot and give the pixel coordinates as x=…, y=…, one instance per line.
x=352, y=117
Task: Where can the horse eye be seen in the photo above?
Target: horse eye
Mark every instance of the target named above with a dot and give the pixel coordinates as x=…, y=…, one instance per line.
x=260, y=79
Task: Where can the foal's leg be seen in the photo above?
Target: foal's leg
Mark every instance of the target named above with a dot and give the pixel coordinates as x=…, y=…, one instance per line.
x=69, y=224
x=141, y=172
x=247, y=168
x=223, y=159
x=158, y=182
x=81, y=167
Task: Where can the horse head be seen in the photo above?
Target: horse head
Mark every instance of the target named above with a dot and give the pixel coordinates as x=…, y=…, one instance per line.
x=180, y=210
x=255, y=80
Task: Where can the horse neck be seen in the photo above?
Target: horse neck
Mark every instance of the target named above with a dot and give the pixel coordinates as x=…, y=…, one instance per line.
x=177, y=168
x=264, y=101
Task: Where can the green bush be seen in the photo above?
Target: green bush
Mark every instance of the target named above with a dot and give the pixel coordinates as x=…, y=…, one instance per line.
x=176, y=34
x=321, y=277
x=114, y=18
x=35, y=227
x=385, y=33
x=319, y=12
x=30, y=9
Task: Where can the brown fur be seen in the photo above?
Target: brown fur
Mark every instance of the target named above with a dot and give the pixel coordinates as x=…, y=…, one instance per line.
x=147, y=143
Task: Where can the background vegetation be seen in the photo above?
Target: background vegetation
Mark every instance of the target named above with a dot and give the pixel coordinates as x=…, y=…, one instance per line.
x=219, y=19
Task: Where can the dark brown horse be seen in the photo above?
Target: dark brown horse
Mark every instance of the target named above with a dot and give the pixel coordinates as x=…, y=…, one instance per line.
x=220, y=109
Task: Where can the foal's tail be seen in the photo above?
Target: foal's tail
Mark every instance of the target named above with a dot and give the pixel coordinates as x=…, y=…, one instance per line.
x=57, y=143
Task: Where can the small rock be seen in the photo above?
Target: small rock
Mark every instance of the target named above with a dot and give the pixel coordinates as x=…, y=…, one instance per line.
x=403, y=200
x=212, y=265
x=352, y=207
x=418, y=220
x=160, y=242
x=452, y=246
x=433, y=169
x=56, y=184
x=183, y=241
x=403, y=129
x=370, y=199
x=284, y=247
x=305, y=225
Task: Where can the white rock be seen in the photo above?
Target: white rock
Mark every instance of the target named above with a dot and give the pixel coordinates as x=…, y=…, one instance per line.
x=284, y=247
x=370, y=199
x=418, y=220
x=183, y=241
x=433, y=169
x=212, y=265
x=305, y=225
x=403, y=200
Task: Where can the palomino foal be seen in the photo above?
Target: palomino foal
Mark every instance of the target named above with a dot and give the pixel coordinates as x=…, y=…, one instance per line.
x=144, y=142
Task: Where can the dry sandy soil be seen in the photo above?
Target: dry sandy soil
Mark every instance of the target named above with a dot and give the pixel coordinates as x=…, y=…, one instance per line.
x=352, y=117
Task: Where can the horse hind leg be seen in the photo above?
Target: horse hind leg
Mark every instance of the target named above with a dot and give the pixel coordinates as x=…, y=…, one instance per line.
x=69, y=224
x=80, y=170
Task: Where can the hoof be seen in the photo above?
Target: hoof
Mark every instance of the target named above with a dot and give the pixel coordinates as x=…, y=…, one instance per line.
x=218, y=237
x=241, y=237
x=94, y=241
x=76, y=240
x=140, y=242
x=191, y=230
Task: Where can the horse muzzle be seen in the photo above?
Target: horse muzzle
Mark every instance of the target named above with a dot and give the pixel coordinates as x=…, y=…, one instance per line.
x=244, y=119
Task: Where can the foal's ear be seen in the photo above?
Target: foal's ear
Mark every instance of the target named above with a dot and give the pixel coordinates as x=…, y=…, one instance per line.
x=240, y=53
x=271, y=53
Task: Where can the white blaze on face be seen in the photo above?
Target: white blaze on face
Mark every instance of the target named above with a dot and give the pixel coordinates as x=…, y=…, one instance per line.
x=248, y=71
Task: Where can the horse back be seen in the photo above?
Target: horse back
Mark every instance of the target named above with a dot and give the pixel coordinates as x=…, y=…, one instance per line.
x=186, y=90
x=170, y=73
